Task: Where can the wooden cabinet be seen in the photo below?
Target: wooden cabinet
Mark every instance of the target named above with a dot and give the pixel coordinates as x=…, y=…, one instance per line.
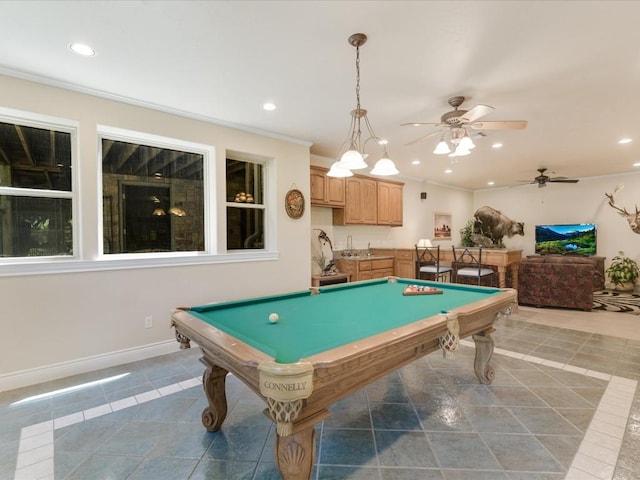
x=357, y=200
x=366, y=269
x=370, y=202
x=389, y=203
x=405, y=260
x=405, y=263
x=326, y=191
x=361, y=203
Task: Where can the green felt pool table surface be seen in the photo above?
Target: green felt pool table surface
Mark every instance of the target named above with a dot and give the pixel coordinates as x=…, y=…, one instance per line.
x=338, y=315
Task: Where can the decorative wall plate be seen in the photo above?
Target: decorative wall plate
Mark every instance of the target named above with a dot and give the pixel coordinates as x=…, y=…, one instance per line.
x=294, y=203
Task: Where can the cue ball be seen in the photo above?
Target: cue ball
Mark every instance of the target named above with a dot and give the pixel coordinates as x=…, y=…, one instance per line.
x=273, y=317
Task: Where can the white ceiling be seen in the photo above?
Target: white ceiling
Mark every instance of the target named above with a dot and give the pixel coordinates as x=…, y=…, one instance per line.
x=570, y=68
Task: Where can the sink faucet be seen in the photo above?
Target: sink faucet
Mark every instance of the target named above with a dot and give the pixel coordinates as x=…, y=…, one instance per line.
x=369, y=249
x=349, y=244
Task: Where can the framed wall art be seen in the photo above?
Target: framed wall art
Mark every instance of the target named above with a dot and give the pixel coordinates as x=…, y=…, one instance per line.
x=294, y=203
x=441, y=226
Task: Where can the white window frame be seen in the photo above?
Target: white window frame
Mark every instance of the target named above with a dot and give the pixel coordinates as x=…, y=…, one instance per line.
x=251, y=206
x=208, y=178
x=269, y=202
x=36, y=120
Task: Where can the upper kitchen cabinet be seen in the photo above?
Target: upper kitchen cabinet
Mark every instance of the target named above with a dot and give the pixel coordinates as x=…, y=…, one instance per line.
x=389, y=203
x=370, y=202
x=326, y=191
x=361, y=206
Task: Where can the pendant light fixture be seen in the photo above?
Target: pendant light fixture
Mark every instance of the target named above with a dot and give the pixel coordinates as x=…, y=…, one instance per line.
x=352, y=154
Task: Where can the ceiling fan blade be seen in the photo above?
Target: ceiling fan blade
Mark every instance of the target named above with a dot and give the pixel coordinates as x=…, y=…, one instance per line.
x=476, y=112
x=419, y=139
x=563, y=180
x=420, y=124
x=506, y=125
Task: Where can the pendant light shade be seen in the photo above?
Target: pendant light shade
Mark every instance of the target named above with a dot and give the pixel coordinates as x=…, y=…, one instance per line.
x=442, y=148
x=340, y=172
x=467, y=143
x=384, y=167
x=353, y=160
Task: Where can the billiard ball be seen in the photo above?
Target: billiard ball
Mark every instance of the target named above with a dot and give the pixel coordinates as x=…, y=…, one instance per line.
x=273, y=317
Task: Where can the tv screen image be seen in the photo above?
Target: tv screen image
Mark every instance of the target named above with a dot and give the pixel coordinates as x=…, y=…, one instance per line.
x=569, y=239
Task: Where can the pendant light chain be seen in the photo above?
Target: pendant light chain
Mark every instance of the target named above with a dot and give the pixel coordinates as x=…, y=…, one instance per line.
x=358, y=79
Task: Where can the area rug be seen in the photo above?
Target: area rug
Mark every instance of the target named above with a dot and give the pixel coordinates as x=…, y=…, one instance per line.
x=611, y=301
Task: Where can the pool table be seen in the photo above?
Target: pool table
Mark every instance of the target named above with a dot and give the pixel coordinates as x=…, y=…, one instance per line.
x=328, y=343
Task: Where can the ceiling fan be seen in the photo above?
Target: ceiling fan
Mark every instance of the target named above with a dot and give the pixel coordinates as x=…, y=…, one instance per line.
x=543, y=179
x=457, y=120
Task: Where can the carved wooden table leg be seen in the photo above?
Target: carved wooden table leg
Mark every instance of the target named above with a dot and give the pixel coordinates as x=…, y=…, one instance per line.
x=213, y=382
x=183, y=340
x=484, y=351
x=295, y=454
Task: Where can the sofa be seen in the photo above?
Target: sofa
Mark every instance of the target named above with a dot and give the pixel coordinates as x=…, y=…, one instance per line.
x=559, y=281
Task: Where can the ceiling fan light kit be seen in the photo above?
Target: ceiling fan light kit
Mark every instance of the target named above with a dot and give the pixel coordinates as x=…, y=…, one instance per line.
x=455, y=124
x=352, y=156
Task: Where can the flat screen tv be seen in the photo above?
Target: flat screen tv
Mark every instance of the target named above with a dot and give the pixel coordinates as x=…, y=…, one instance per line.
x=569, y=239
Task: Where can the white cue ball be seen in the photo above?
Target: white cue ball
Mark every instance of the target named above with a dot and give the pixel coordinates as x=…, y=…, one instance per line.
x=273, y=317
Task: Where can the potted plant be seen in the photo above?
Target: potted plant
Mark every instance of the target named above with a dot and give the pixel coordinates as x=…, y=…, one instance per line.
x=466, y=234
x=623, y=272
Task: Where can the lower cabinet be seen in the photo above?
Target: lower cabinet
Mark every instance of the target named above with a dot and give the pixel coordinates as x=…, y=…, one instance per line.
x=405, y=261
x=366, y=269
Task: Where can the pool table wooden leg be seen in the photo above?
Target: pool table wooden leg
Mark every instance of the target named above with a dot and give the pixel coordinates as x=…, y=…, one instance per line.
x=296, y=453
x=484, y=350
x=213, y=382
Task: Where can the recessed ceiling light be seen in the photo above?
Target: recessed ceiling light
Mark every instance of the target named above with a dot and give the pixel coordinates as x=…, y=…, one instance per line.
x=496, y=145
x=268, y=106
x=448, y=170
x=637, y=164
x=624, y=140
x=491, y=182
x=415, y=162
x=82, y=49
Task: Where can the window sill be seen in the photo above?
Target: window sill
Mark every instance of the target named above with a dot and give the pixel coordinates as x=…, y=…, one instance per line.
x=128, y=262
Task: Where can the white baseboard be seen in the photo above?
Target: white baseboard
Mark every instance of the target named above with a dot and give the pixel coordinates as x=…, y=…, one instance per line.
x=32, y=376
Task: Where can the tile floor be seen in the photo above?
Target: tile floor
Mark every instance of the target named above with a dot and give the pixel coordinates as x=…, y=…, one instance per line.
x=564, y=405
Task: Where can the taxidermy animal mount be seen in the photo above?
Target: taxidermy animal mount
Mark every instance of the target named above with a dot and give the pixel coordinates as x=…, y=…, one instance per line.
x=491, y=226
x=632, y=218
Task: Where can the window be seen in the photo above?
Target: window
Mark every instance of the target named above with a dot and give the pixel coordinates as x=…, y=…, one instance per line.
x=153, y=193
x=36, y=186
x=245, y=205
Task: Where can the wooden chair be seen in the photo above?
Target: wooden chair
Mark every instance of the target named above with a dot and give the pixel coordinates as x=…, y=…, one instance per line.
x=468, y=264
x=428, y=263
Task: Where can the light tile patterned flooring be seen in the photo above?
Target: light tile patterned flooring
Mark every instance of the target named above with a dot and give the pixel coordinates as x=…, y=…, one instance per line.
x=564, y=405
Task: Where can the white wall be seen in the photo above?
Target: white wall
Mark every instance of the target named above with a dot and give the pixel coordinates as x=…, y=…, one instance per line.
x=50, y=319
x=583, y=202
